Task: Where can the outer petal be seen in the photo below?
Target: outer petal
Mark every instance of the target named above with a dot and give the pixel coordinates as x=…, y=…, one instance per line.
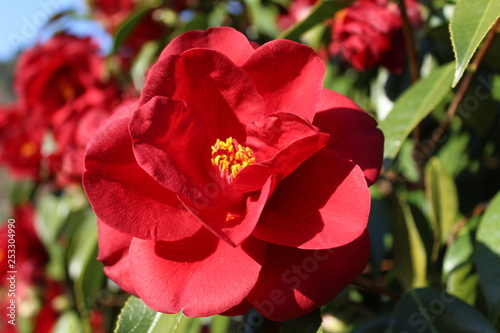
x=216, y=91
x=113, y=252
x=200, y=275
x=294, y=282
x=119, y=189
x=323, y=204
x=225, y=40
x=238, y=310
x=288, y=75
x=353, y=133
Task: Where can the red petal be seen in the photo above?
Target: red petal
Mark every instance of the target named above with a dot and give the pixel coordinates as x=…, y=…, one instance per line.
x=238, y=310
x=294, y=282
x=323, y=204
x=200, y=275
x=353, y=133
x=119, y=189
x=225, y=40
x=113, y=252
x=215, y=90
x=280, y=142
x=271, y=133
x=236, y=231
x=288, y=75
x=168, y=145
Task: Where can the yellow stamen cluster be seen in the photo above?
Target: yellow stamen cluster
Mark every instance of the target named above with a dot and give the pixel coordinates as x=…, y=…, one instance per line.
x=231, y=157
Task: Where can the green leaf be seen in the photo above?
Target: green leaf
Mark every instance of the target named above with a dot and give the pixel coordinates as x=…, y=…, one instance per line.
x=458, y=268
x=321, y=11
x=470, y=22
x=458, y=253
x=431, y=310
x=141, y=63
x=409, y=249
x=137, y=317
x=84, y=269
x=452, y=154
x=442, y=195
x=220, y=324
x=68, y=322
x=126, y=28
x=488, y=256
x=413, y=106
x=262, y=17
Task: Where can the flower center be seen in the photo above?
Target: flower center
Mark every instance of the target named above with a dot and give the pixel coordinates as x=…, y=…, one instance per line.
x=28, y=149
x=231, y=157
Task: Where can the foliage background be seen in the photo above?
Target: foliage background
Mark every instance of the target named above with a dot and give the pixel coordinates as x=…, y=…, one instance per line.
x=435, y=219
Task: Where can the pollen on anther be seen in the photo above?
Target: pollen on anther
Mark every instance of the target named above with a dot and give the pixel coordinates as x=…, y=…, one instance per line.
x=231, y=157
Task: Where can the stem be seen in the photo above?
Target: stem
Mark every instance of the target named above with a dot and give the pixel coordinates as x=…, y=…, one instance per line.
x=464, y=86
x=478, y=210
x=409, y=43
x=415, y=75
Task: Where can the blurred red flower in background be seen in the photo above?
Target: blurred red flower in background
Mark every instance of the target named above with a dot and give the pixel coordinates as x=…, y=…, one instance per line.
x=236, y=171
x=370, y=33
x=61, y=94
x=51, y=79
x=20, y=143
x=111, y=13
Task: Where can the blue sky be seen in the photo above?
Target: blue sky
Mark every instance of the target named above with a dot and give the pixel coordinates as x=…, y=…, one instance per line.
x=21, y=20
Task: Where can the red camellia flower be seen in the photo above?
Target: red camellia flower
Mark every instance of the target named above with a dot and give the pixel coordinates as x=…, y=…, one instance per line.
x=20, y=143
x=370, y=32
x=237, y=181
x=112, y=12
x=51, y=77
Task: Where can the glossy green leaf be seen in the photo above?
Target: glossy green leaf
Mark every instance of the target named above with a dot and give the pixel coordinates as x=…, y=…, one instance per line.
x=442, y=195
x=409, y=249
x=430, y=310
x=321, y=11
x=470, y=22
x=488, y=256
x=137, y=317
x=413, y=106
x=458, y=253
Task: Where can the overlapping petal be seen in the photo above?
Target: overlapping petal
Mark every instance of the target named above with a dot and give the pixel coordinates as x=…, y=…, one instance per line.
x=206, y=275
x=353, y=133
x=113, y=253
x=323, y=204
x=288, y=75
x=293, y=282
x=119, y=189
